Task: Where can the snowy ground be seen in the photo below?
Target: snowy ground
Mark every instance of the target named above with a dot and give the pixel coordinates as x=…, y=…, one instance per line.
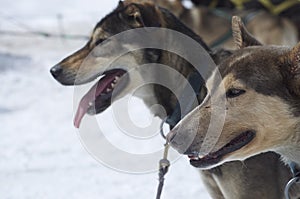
x=40, y=151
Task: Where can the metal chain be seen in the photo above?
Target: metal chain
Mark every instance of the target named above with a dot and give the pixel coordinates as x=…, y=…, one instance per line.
x=164, y=165
x=294, y=180
x=162, y=133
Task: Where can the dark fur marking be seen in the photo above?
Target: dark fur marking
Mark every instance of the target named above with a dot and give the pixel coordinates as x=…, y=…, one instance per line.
x=266, y=75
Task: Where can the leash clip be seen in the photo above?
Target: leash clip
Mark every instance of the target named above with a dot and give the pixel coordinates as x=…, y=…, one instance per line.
x=288, y=186
x=164, y=165
x=162, y=133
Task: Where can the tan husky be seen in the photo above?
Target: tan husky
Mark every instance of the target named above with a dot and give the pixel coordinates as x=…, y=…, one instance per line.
x=261, y=92
x=234, y=180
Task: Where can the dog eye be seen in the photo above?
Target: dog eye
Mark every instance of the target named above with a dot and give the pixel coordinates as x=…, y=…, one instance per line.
x=233, y=92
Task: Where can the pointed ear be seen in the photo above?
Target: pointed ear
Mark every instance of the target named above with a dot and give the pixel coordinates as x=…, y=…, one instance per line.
x=141, y=15
x=132, y=15
x=121, y=4
x=291, y=63
x=242, y=38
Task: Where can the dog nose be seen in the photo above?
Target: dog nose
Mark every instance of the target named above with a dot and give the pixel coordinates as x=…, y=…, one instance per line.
x=176, y=142
x=56, y=71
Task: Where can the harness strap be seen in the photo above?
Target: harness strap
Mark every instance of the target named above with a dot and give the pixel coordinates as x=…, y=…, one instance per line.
x=277, y=9
x=239, y=4
x=213, y=4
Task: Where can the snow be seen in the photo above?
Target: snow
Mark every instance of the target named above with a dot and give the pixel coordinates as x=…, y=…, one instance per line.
x=41, y=155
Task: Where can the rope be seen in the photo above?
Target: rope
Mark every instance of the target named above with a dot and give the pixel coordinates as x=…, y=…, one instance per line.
x=30, y=32
x=164, y=165
x=277, y=9
x=42, y=34
x=239, y=4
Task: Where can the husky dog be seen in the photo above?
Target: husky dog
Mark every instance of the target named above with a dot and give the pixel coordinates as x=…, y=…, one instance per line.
x=232, y=180
x=213, y=25
x=261, y=92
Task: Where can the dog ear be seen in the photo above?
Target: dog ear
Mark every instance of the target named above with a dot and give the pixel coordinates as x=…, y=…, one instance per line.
x=141, y=16
x=291, y=63
x=121, y=4
x=242, y=38
x=132, y=15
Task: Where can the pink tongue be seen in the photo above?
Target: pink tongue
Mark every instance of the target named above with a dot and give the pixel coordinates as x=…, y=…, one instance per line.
x=90, y=97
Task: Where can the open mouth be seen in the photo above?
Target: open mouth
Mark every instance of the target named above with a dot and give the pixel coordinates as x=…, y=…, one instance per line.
x=99, y=97
x=215, y=157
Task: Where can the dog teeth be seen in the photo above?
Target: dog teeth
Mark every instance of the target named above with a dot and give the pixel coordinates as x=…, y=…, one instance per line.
x=116, y=79
x=194, y=157
x=91, y=103
x=112, y=85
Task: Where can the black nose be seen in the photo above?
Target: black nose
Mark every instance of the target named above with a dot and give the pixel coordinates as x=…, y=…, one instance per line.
x=56, y=70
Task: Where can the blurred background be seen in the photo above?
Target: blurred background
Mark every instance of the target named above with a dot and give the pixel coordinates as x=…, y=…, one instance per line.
x=40, y=152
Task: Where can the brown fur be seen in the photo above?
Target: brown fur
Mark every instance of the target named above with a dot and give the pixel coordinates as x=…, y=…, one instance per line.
x=266, y=27
x=131, y=14
x=268, y=106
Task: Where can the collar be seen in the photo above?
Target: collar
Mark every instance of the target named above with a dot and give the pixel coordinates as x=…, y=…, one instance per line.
x=187, y=101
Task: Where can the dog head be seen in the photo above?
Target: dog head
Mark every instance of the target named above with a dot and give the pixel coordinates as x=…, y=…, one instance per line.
x=128, y=15
x=99, y=57
x=261, y=92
